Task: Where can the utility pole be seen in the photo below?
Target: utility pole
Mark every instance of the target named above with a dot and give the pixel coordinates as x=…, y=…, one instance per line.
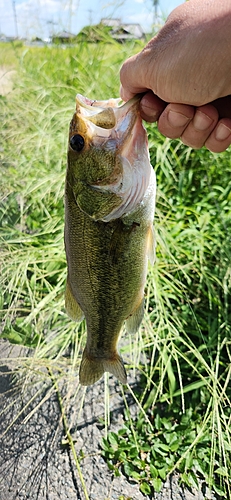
x=90, y=16
x=155, y=5
x=15, y=18
x=70, y=15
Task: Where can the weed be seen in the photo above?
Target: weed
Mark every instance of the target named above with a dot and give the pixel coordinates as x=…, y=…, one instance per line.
x=181, y=355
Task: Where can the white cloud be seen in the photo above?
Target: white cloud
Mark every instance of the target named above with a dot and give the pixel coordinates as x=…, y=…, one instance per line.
x=44, y=16
x=42, y=8
x=144, y=18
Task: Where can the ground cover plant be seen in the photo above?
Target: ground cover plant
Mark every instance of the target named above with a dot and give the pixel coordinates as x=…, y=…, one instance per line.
x=181, y=354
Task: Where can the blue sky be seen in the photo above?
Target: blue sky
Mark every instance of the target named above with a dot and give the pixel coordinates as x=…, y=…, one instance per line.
x=42, y=17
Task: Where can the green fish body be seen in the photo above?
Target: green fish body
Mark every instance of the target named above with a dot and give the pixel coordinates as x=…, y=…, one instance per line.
x=109, y=211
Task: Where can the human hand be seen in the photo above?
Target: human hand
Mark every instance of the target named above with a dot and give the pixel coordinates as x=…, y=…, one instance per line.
x=208, y=125
x=185, y=70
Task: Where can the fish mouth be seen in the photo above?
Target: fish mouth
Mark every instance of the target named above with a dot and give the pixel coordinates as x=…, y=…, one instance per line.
x=117, y=127
x=114, y=125
x=110, y=119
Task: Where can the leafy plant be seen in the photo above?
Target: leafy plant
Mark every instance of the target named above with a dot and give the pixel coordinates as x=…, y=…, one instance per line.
x=172, y=441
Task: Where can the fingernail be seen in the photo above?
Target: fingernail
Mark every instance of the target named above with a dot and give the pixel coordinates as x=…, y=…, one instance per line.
x=177, y=119
x=222, y=132
x=201, y=121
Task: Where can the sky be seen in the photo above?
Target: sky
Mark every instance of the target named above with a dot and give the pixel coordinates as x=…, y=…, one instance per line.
x=44, y=17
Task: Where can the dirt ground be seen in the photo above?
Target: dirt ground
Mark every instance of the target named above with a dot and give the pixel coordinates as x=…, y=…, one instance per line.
x=6, y=80
x=33, y=462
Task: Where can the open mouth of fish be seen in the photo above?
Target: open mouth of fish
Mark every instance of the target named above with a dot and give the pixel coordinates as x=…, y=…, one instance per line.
x=112, y=119
x=117, y=127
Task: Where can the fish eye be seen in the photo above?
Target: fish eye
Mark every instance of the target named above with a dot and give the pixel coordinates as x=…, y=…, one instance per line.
x=77, y=142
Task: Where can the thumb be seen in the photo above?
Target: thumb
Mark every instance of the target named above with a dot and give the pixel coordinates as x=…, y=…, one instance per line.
x=132, y=76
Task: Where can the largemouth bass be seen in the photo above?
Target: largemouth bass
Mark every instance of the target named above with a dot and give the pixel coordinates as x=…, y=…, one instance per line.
x=109, y=211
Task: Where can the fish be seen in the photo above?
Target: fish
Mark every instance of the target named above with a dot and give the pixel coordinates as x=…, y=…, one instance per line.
x=109, y=210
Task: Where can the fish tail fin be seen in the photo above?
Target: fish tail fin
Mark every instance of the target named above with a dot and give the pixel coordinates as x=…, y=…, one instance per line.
x=92, y=369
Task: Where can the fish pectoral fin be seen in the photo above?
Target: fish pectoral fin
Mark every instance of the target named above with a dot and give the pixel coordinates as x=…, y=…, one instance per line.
x=92, y=369
x=73, y=309
x=151, y=245
x=133, y=322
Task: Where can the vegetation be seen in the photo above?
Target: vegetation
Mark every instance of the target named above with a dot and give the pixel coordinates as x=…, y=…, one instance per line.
x=95, y=33
x=181, y=354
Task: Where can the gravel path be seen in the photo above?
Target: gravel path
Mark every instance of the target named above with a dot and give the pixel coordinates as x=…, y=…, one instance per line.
x=33, y=463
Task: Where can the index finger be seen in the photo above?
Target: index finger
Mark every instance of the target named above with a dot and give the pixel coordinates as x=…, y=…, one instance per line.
x=130, y=78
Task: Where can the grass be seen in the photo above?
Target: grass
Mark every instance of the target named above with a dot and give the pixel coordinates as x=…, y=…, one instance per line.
x=181, y=354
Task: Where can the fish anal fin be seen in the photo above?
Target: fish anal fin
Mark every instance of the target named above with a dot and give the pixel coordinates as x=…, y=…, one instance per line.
x=151, y=248
x=92, y=369
x=133, y=322
x=73, y=309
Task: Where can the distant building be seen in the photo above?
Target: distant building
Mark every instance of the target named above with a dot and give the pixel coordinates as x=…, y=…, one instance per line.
x=63, y=37
x=4, y=38
x=124, y=31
